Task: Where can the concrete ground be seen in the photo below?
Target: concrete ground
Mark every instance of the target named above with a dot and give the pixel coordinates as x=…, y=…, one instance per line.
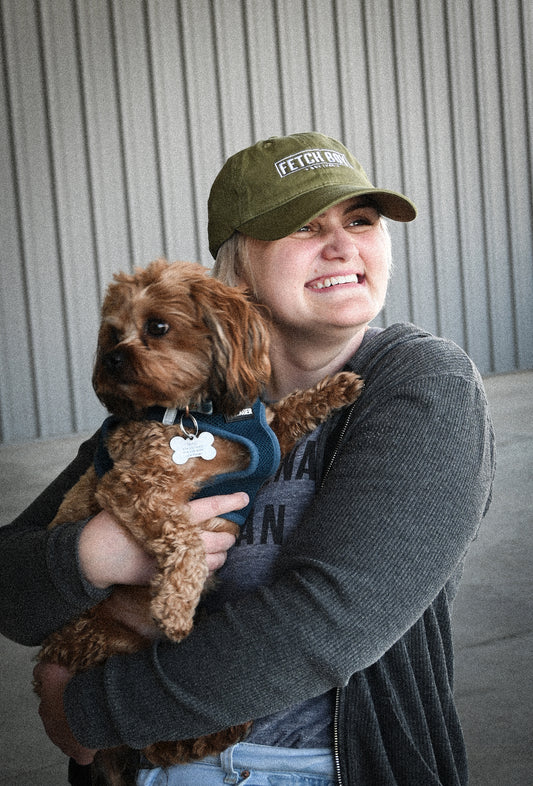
x=493, y=612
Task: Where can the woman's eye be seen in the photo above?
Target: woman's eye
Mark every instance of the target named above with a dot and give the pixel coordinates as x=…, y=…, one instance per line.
x=156, y=327
x=366, y=217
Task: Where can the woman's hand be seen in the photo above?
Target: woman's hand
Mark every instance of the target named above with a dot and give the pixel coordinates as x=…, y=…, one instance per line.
x=109, y=555
x=217, y=545
x=51, y=681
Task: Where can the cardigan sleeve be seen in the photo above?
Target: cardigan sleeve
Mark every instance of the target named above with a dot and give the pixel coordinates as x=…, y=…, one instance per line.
x=403, y=499
x=41, y=587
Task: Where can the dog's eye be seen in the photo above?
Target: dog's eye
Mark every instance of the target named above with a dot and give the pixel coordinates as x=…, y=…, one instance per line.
x=114, y=335
x=156, y=327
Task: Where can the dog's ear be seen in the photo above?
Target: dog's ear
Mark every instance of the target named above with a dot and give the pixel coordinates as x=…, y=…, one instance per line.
x=240, y=344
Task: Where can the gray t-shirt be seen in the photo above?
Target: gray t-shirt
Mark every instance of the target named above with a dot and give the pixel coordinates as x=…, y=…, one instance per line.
x=252, y=563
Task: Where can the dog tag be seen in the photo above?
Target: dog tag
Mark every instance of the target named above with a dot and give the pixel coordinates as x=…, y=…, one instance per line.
x=193, y=446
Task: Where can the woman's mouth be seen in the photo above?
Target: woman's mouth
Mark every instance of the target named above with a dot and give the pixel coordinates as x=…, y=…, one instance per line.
x=331, y=281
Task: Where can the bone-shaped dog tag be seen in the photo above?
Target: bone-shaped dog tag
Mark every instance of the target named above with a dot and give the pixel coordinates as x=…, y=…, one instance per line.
x=193, y=446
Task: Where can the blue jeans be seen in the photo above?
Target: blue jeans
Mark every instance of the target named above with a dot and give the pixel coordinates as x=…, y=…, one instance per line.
x=253, y=765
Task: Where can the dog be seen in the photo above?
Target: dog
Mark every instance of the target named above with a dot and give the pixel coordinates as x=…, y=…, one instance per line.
x=174, y=340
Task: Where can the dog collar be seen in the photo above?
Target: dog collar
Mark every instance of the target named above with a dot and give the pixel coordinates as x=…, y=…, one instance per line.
x=249, y=428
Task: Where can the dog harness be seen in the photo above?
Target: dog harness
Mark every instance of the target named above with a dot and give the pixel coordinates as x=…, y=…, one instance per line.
x=249, y=427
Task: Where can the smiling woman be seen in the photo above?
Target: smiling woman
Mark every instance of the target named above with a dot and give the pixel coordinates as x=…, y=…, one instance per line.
x=330, y=628
x=322, y=284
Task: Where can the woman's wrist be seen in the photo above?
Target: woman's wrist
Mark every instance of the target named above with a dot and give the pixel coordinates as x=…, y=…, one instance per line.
x=109, y=555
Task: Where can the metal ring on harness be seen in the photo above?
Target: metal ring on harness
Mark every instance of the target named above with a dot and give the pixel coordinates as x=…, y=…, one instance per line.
x=189, y=434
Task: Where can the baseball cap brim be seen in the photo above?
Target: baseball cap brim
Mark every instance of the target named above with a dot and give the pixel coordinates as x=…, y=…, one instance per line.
x=289, y=217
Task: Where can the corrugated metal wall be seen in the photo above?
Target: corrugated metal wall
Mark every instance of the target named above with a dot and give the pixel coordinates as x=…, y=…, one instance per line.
x=117, y=114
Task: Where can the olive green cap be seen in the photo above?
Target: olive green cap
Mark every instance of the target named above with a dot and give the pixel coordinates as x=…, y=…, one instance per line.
x=278, y=185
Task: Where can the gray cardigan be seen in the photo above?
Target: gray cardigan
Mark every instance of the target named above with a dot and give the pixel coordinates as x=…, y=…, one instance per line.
x=363, y=603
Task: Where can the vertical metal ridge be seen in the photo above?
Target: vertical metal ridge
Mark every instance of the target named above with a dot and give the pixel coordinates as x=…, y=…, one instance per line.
x=455, y=158
x=370, y=97
x=426, y=147
x=247, y=46
x=218, y=86
x=279, y=61
x=525, y=349
x=517, y=157
x=218, y=89
x=155, y=127
x=189, y=130
x=36, y=418
x=525, y=25
x=121, y=134
x=312, y=102
x=506, y=184
x=338, y=66
x=223, y=141
x=87, y=157
x=401, y=154
x=483, y=185
x=493, y=176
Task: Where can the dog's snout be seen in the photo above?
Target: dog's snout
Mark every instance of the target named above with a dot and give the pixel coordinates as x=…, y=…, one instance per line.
x=114, y=361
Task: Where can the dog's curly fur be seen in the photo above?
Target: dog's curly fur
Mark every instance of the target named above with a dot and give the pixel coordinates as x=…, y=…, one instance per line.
x=172, y=336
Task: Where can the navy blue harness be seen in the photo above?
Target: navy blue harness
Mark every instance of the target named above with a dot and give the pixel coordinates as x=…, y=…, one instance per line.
x=250, y=429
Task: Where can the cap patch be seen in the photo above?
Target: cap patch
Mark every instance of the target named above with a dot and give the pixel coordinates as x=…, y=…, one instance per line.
x=310, y=159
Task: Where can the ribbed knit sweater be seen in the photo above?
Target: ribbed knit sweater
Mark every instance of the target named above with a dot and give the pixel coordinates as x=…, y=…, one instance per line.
x=363, y=603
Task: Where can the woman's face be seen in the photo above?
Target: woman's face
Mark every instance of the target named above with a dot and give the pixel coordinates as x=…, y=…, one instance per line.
x=328, y=277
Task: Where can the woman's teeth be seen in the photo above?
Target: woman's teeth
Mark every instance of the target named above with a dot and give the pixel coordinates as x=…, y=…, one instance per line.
x=330, y=282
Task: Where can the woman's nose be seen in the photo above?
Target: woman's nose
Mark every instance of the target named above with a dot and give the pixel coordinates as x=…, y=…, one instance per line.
x=339, y=244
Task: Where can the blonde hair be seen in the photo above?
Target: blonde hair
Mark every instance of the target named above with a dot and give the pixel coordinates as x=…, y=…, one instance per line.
x=232, y=265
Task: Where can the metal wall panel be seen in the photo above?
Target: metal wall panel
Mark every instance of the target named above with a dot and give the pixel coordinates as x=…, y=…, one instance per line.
x=115, y=115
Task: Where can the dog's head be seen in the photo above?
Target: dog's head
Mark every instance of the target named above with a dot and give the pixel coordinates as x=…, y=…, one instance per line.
x=171, y=335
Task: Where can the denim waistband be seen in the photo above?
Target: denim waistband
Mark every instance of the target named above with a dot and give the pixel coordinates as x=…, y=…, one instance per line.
x=276, y=758
x=266, y=757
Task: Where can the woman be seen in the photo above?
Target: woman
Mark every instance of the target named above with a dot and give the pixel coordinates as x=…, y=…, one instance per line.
x=331, y=627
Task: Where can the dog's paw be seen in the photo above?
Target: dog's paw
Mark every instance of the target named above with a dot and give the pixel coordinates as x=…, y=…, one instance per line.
x=341, y=388
x=301, y=412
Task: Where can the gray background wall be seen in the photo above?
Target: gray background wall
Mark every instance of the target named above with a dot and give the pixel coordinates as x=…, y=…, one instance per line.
x=117, y=114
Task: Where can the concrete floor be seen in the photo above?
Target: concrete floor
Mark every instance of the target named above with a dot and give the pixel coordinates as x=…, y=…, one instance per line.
x=493, y=612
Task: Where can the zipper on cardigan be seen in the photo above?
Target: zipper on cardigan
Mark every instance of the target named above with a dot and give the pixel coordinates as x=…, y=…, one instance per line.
x=337, y=446
x=336, y=751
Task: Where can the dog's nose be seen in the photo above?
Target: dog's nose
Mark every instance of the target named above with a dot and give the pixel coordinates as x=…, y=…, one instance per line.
x=113, y=361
